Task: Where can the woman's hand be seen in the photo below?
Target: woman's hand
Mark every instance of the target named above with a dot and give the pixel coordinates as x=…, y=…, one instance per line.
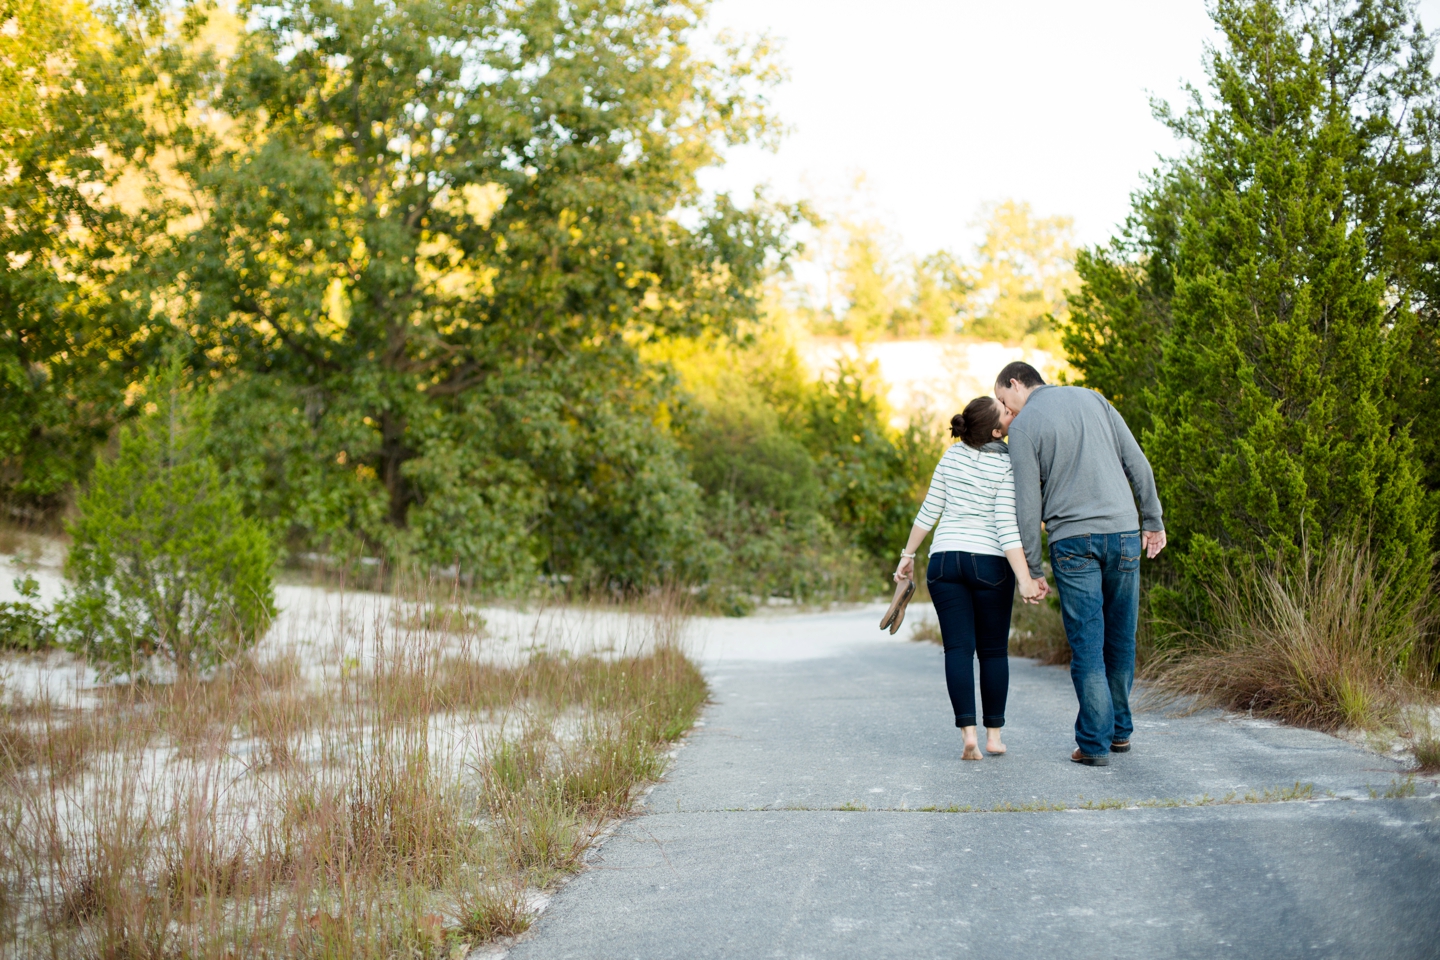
x=906, y=569
x=1031, y=590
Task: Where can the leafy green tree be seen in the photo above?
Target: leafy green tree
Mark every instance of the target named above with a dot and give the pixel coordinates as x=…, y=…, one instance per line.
x=437, y=223
x=1274, y=414
x=163, y=564
x=74, y=145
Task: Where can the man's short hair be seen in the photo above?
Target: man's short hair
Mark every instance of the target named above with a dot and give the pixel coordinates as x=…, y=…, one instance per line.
x=1022, y=371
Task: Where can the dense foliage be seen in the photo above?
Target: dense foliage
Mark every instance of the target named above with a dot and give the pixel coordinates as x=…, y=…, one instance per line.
x=1269, y=318
x=414, y=253
x=72, y=139
x=807, y=488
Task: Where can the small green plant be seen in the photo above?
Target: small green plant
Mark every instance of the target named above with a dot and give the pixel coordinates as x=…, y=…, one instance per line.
x=163, y=564
x=23, y=624
x=1398, y=789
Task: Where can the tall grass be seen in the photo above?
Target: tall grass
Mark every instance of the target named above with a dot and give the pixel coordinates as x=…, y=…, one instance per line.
x=1331, y=642
x=410, y=803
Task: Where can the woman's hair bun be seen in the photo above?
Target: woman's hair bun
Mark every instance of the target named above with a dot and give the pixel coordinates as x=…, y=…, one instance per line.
x=957, y=425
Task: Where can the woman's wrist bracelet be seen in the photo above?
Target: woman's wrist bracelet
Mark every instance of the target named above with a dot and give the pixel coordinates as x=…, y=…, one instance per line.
x=906, y=556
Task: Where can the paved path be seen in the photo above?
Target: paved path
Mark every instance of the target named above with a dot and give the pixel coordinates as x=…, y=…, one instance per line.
x=822, y=811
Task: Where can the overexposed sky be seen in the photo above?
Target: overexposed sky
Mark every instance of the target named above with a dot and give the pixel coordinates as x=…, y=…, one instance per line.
x=946, y=104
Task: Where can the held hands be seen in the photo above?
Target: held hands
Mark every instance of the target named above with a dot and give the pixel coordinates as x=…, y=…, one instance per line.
x=1033, y=591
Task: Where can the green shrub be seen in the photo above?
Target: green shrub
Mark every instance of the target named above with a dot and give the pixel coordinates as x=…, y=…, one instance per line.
x=23, y=625
x=163, y=563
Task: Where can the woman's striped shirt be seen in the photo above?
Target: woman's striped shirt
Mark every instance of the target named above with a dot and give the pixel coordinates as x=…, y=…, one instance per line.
x=972, y=495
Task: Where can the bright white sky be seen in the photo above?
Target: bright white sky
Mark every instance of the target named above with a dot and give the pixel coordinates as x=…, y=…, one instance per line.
x=946, y=104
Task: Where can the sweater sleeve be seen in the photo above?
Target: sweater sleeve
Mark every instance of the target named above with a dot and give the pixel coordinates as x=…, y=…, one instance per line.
x=1025, y=469
x=934, y=504
x=1138, y=472
x=1007, y=529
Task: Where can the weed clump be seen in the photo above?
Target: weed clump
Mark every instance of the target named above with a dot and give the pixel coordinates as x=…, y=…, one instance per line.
x=1324, y=645
x=1427, y=754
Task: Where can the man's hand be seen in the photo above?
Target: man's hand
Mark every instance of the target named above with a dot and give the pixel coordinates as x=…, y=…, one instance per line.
x=1153, y=541
x=1044, y=589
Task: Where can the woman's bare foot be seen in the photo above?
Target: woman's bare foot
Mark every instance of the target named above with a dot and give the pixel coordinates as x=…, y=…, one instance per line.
x=972, y=745
x=992, y=741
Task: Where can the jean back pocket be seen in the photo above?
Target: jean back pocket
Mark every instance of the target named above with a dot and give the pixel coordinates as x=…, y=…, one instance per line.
x=1072, y=555
x=1129, y=552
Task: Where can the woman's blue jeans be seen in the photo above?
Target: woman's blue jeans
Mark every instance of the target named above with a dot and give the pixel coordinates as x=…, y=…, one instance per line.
x=972, y=593
x=1098, y=576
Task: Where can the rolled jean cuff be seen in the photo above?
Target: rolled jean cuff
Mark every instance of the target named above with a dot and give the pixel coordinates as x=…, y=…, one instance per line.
x=965, y=721
x=994, y=723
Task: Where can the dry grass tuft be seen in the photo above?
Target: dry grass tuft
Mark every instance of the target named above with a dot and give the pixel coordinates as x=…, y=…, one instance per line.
x=258, y=813
x=927, y=630
x=1324, y=647
x=1427, y=754
x=490, y=912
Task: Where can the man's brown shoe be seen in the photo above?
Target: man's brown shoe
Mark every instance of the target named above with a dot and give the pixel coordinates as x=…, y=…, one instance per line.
x=895, y=615
x=1120, y=746
x=1088, y=760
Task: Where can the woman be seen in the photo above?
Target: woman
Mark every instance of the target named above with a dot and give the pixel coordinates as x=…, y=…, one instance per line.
x=976, y=560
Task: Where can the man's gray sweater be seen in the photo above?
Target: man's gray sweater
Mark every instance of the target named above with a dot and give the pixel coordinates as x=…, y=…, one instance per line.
x=1075, y=464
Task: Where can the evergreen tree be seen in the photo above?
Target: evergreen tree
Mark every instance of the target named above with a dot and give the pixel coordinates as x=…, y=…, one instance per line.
x=1274, y=411
x=1369, y=65
x=163, y=564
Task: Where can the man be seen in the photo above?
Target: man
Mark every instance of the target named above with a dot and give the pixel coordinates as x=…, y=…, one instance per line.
x=1076, y=464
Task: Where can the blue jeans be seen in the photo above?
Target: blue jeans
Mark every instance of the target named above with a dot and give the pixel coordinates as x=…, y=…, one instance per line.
x=972, y=593
x=1098, y=576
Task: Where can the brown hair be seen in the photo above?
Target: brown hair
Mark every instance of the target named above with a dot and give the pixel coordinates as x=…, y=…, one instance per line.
x=1022, y=371
x=977, y=425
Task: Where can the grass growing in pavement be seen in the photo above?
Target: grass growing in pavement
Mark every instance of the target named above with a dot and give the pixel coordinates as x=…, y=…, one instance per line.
x=1398, y=789
x=409, y=803
x=1300, y=791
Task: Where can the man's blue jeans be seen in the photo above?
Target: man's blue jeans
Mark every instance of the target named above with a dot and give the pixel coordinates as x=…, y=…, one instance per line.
x=1098, y=576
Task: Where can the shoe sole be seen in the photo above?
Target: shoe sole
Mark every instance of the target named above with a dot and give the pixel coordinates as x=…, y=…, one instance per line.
x=1120, y=747
x=895, y=615
x=1091, y=761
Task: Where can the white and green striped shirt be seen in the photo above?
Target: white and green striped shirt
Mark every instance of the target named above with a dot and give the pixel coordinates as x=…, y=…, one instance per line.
x=972, y=495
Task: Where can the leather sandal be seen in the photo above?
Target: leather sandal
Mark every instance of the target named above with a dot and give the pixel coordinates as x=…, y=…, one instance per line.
x=1120, y=746
x=1088, y=760
x=895, y=615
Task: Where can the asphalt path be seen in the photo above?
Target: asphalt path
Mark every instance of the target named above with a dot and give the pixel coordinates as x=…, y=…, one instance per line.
x=821, y=810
